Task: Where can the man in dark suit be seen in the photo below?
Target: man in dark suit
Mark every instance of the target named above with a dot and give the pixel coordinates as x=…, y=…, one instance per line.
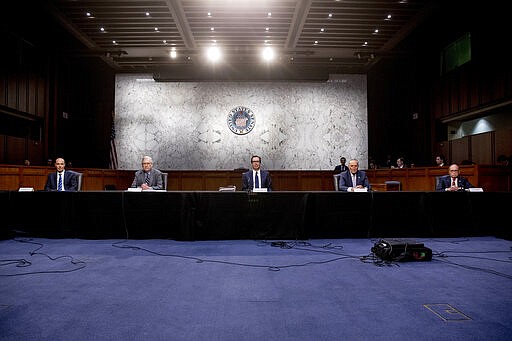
x=256, y=177
x=453, y=182
x=61, y=180
x=354, y=178
x=148, y=177
x=341, y=167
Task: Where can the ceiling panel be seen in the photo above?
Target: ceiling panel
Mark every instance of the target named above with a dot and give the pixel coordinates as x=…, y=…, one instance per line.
x=310, y=38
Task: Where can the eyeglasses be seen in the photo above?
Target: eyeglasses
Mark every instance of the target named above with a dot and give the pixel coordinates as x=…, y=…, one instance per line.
x=255, y=161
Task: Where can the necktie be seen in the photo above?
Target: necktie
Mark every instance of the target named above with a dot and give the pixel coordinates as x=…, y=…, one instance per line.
x=256, y=181
x=354, y=180
x=59, y=185
x=147, y=179
x=453, y=182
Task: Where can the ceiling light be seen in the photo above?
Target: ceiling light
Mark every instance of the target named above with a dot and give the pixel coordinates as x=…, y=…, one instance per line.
x=173, y=53
x=209, y=14
x=388, y=17
x=147, y=14
x=213, y=53
x=330, y=15
x=212, y=29
x=269, y=14
x=322, y=29
x=268, y=54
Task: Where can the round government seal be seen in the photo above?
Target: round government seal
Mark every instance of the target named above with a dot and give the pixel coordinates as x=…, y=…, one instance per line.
x=241, y=120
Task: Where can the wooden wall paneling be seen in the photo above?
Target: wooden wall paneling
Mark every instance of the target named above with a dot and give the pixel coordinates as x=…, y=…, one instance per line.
x=503, y=143
x=92, y=180
x=454, y=86
x=312, y=181
x=214, y=180
x=174, y=180
x=481, y=148
x=474, y=88
x=42, y=100
x=34, y=177
x=15, y=150
x=10, y=178
x=32, y=94
x=459, y=150
x=193, y=181
x=416, y=180
x=12, y=87
x=494, y=179
x=464, y=90
x=35, y=152
x=235, y=179
x=285, y=181
x=3, y=148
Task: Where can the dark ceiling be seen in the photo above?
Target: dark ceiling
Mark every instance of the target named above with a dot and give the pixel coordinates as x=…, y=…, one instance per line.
x=311, y=38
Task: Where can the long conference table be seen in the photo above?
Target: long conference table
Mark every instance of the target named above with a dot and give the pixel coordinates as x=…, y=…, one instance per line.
x=207, y=215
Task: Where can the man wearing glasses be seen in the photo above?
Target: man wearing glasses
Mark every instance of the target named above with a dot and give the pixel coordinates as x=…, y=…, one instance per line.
x=148, y=178
x=453, y=182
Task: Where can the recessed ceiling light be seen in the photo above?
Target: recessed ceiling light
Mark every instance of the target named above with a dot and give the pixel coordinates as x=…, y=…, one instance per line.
x=213, y=53
x=268, y=53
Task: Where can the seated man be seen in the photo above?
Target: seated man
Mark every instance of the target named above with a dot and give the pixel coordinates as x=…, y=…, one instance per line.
x=354, y=178
x=453, y=181
x=148, y=177
x=61, y=180
x=256, y=177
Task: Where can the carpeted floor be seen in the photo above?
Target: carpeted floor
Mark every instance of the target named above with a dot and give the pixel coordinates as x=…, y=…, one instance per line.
x=72, y=289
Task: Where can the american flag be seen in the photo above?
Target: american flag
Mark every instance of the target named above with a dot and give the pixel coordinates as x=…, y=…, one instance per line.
x=113, y=151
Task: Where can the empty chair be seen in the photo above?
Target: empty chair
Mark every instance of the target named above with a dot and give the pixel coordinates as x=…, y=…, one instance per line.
x=164, y=180
x=393, y=185
x=79, y=176
x=336, y=179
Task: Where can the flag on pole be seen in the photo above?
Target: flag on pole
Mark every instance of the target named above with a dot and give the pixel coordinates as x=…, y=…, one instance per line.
x=113, y=151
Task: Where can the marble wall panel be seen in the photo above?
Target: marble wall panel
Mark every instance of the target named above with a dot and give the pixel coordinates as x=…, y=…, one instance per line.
x=184, y=125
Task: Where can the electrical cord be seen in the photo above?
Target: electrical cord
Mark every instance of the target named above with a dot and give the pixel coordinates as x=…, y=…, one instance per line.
x=25, y=263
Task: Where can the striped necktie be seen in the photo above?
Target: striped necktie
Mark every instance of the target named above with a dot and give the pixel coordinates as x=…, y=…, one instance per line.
x=147, y=179
x=59, y=185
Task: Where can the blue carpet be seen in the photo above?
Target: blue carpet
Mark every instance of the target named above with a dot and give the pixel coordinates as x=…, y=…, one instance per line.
x=70, y=289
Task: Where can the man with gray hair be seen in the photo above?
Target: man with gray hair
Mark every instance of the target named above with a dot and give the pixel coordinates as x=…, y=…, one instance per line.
x=148, y=177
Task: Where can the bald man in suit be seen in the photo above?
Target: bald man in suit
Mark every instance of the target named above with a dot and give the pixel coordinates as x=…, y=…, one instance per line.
x=69, y=178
